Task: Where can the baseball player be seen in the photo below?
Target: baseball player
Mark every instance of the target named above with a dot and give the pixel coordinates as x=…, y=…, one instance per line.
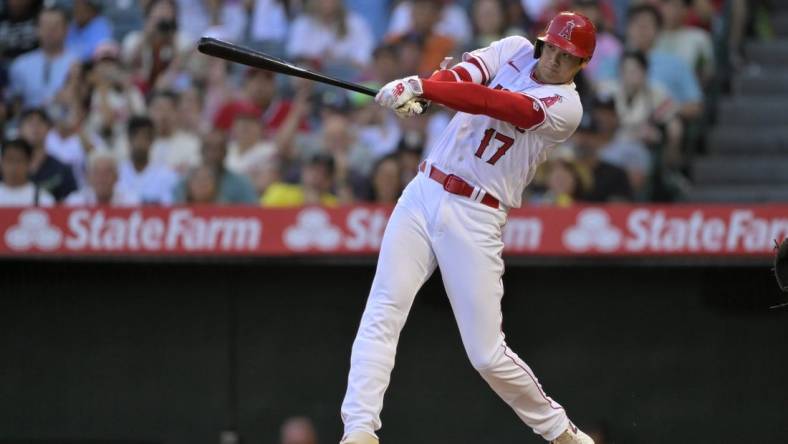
x=514, y=102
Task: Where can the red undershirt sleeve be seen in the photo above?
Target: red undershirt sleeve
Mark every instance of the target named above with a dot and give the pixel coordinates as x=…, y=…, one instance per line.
x=515, y=108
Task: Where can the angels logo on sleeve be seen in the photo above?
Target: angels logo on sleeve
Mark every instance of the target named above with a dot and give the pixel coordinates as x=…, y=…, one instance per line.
x=552, y=100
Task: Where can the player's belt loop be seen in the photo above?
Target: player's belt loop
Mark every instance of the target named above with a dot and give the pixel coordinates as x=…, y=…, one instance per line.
x=478, y=194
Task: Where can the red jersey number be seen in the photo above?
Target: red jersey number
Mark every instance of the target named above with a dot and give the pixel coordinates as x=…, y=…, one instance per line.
x=489, y=135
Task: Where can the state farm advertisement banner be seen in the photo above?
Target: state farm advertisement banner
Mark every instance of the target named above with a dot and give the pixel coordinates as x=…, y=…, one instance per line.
x=614, y=230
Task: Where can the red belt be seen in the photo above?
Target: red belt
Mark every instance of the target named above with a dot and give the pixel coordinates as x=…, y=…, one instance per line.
x=457, y=185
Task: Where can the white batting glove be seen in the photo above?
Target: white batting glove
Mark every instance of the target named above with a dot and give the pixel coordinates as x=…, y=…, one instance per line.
x=397, y=93
x=412, y=107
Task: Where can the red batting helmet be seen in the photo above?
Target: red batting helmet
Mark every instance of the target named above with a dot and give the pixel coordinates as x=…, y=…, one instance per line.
x=570, y=31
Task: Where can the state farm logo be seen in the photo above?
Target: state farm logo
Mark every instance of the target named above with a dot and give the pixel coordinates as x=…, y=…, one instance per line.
x=592, y=231
x=175, y=230
x=313, y=229
x=362, y=230
x=33, y=230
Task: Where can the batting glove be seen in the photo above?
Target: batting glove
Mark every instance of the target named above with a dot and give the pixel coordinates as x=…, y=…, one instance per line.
x=412, y=107
x=397, y=93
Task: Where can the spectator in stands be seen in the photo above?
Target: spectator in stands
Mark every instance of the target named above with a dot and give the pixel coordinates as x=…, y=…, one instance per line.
x=269, y=25
x=202, y=186
x=16, y=188
x=386, y=180
x=88, y=29
x=173, y=147
x=608, y=182
x=618, y=148
x=410, y=156
x=125, y=15
x=352, y=160
x=46, y=171
x=259, y=90
x=36, y=76
x=298, y=430
x=490, y=23
x=433, y=46
x=452, y=21
x=562, y=186
x=69, y=141
x=643, y=28
x=248, y=147
x=102, y=184
x=378, y=128
x=157, y=52
x=691, y=44
x=264, y=174
x=153, y=183
x=232, y=188
x=608, y=47
x=645, y=111
x=222, y=19
x=330, y=34
x=114, y=99
x=385, y=65
x=316, y=186
x=190, y=111
x=18, y=28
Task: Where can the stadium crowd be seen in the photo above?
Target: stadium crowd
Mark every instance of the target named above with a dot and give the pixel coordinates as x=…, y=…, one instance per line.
x=108, y=101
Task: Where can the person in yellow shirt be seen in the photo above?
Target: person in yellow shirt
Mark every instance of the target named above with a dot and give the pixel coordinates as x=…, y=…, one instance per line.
x=315, y=188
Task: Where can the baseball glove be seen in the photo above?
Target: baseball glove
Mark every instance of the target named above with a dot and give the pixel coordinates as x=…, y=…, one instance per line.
x=781, y=264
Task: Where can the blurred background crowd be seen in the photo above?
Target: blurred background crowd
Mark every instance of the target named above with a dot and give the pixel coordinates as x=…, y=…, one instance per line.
x=108, y=101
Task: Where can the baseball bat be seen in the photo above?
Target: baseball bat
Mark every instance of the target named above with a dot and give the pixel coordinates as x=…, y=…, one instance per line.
x=256, y=59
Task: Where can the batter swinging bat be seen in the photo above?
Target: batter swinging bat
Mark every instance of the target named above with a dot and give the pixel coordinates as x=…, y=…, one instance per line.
x=249, y=57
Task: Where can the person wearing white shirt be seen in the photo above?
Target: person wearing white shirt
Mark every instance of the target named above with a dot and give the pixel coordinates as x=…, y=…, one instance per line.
x=102, y=187
x=16, y=189
x=225, y=20
x=69, y=141
x=454, y=22
x=331, y=34
x=248, y=147
x=36, y=76
x=691, y=44
x=173, y=147
x=269, y=21
x=153, y=183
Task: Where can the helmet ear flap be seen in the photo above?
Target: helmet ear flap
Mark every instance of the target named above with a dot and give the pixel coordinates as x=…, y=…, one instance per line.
x=538, y=48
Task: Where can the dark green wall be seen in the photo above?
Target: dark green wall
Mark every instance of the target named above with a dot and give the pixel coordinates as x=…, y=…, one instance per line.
x=175, y=353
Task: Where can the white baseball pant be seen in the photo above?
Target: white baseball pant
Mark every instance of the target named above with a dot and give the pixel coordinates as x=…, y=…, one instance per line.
x=431, y=227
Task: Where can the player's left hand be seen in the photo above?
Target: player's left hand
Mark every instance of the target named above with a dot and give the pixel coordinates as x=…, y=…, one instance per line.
x=397, y=93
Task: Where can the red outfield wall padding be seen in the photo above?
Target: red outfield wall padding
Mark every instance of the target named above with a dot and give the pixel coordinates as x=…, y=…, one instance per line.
x=612, y=230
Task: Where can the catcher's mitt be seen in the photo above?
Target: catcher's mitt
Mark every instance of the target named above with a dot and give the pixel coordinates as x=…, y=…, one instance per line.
x=781, y=264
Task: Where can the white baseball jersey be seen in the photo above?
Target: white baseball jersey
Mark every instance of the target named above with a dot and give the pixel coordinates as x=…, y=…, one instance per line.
x=495, y=155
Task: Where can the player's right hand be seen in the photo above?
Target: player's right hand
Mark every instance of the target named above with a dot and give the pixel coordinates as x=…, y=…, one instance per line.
x=397, y=93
